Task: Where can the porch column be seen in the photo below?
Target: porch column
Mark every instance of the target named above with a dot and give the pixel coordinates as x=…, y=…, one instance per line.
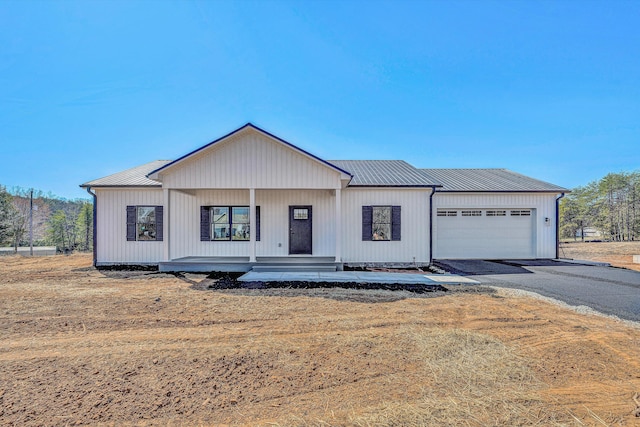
x=252, y=223
x=166, y=223
x=338, y=225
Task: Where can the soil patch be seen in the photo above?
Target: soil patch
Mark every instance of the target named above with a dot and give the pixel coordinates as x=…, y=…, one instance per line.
x=80, y=346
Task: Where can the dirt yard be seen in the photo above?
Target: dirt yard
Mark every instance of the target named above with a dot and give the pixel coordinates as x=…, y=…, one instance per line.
x=619, y=254
x=85, y=347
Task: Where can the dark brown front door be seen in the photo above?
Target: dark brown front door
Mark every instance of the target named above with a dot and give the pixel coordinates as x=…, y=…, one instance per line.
x=300, y=230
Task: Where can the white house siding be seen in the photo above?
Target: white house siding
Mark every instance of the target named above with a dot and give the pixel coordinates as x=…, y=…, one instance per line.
x=112, y=244
x=274, y=217
x=250, y=160
x=543, y=239
x=274, y=220
x=414, y=246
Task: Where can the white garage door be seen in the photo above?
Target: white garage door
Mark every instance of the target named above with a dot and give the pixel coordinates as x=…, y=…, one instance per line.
x=485, y=233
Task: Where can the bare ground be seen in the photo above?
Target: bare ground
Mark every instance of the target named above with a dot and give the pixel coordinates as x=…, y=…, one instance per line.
x=85, y=347
x=618, y=254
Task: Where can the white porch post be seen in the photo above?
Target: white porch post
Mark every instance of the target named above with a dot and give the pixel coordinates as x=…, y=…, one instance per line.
x=166, y=219
x=338, y=225
x=252, y=223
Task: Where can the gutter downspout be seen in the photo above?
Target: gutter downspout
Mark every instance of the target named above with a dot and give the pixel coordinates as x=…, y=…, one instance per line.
x=433, y=192
x=95, y=223
x=558, y=225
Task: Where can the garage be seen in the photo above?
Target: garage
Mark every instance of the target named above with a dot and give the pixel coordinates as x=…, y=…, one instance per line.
x=485, y=233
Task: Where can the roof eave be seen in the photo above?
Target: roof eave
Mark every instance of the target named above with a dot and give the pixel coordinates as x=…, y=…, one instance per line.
x=88, y=185
x=395, y=186
x=556, y=191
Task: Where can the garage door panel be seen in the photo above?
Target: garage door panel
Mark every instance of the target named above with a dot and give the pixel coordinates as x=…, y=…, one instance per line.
x=487, y=237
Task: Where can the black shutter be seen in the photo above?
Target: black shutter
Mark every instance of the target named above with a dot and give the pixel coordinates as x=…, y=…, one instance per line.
x=159, y=223
x=367, y=219
x=395, y=223
x=131, y=223
x=205, y=224
x=257, y=223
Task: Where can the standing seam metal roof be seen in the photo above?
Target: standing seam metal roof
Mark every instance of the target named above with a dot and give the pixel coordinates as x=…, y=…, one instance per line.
x=366, y=173
x=134, y=177
x=378, y=173
x=384, y=173
x=487, y=180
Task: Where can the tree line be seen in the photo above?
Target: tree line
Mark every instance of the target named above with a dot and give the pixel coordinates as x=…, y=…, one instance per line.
x=610, y=205
x=65, y=224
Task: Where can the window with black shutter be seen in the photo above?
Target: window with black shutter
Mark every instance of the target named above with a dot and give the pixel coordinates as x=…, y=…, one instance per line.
x=381, y=223
x=227, y=223
x=145, y=223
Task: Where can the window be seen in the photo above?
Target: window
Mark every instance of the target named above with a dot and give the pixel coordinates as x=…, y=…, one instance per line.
x=230, y=223
x=471, y=213
x=381, y=223
x=301, y=213
x=442, y=212
x=220, y=223
x=227, y=223
x=144, y=223
x=240, y=223
x=496, y=213
x=524, y=212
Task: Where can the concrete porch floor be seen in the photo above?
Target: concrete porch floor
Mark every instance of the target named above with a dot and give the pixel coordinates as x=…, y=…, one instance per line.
x=357, y=277
x=242, y=264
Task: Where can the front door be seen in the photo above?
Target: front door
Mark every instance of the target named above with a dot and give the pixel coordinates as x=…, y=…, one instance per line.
x=300, y=230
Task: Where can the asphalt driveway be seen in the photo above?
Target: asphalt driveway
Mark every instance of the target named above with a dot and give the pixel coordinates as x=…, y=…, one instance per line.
x=609, y=290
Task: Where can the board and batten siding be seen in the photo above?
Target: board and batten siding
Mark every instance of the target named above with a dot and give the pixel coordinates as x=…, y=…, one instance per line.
x=185, y=223
x=274, y=221
x=414, y=245
x=250, y=160
x=542, y=204
x=113, y=247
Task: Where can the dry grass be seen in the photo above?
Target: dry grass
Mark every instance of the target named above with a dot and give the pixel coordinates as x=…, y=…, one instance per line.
x=470, y=379
x=83, y=347
x=618, y=254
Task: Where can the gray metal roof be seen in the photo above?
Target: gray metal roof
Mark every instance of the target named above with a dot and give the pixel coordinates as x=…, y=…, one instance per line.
x=494, y=180
x=384, y=173
x=378, y=173
x=366, y=173
x=134, y=177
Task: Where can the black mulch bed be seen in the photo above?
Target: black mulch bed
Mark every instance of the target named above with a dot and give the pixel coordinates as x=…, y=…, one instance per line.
x=126, y=267
x=231, y=283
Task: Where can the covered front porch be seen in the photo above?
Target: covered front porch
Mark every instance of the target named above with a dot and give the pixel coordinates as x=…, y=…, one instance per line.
x=257, y=226
x=206, y=264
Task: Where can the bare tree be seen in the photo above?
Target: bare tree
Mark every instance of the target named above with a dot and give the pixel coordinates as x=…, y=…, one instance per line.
x=19, y=220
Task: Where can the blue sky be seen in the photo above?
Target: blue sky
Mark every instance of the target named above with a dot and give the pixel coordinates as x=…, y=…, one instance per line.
x=550, y=89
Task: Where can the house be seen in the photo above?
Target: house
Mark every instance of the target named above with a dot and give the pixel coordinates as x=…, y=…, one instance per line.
x=588, y=233
x=251, y=197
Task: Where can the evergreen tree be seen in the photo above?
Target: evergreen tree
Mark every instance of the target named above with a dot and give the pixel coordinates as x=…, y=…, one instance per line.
x=6, y=213
x=84, y=225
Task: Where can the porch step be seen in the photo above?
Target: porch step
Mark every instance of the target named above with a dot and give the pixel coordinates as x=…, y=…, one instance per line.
x=204, y=267
x=291, y=267
x=286, y=260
